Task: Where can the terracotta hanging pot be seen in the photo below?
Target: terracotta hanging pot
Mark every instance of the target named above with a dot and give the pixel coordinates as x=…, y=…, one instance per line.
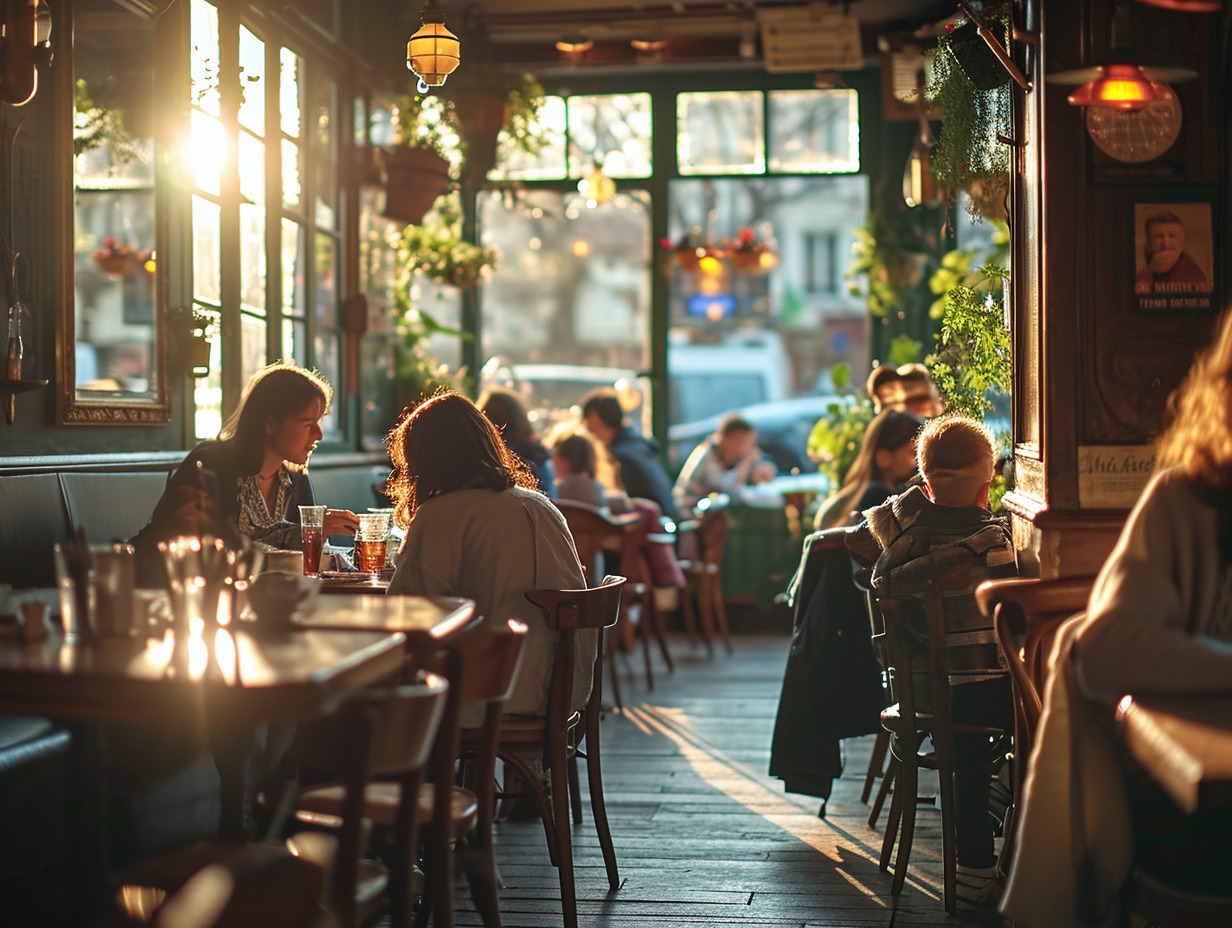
x=481, y=118
x=414, y=178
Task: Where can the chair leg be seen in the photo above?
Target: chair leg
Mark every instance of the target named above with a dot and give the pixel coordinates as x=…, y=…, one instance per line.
x=876, y=763
x=598, y=805
x=644, y=622
x=720, y=612
x=887, y=784
x=948, y=837
x=612, y=672
x=908, y=771
x=892, y=822
x=690, y=616
x=558, y=775
x=575, y=790
x=659, y=626
x=705, y=608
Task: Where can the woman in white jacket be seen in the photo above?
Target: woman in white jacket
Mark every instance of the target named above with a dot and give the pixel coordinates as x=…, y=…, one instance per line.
x=477, y=528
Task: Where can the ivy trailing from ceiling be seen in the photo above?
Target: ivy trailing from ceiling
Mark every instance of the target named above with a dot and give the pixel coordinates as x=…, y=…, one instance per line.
x=972, y=90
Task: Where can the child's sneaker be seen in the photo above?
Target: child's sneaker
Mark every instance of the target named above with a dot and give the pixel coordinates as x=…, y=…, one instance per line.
x=977, y=886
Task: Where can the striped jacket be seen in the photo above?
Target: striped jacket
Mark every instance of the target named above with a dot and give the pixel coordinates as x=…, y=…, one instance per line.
x=910, y=529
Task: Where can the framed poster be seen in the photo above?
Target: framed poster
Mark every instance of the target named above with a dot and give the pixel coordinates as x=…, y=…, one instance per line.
x=1174, y=249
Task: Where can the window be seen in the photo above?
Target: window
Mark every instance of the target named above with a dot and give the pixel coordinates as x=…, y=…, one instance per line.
x=265, y=205
x=821, y=266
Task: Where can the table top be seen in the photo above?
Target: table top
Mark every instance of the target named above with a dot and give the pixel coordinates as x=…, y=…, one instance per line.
x=243, y=679
x=1185, y=744
x=423, y=620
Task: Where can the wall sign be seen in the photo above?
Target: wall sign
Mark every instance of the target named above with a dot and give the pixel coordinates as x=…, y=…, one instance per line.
x=1113, y=476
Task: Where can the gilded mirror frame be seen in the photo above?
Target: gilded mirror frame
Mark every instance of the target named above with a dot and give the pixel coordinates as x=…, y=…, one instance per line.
x=112, y=341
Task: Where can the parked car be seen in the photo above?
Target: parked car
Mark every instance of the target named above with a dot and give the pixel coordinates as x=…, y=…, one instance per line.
x=783, y=428
x=553, y=392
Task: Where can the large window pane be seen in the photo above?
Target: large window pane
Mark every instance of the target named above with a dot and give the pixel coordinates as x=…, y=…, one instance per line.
x=325, y=295
x=568, y=308
x=252, y=82
x=207, y=152
x=720, y=133
x=814, y=131
x=288, y=92
x=326, y=354
x=548, y=164
x=612, y=130
x=204, y=61
x=252, y=257
x=292, y=273
x=252, y=169
x=291, y=188
x=762, y=338
x=252, y=344
x=324, y=165
x=207, y=282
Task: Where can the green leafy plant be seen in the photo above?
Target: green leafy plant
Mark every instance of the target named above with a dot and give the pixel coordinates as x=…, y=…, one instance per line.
x=973, y=357
x=95, y=125
x=892, y=252
x=437, y=250
x=835, y=439
x=968, y=154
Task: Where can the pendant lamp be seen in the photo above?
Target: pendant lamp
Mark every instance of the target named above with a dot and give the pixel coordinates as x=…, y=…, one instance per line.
x=433, y=52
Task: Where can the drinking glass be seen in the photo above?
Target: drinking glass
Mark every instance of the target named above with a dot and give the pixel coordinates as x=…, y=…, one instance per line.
x=370, y=542
x=75, y=582
x=114, y=567
x=312, y=521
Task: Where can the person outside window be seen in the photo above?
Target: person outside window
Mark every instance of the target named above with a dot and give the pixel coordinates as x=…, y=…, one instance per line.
x=727, y=462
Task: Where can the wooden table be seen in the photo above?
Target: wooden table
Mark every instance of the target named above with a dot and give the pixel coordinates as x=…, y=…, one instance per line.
x=1185, y=744
x=424, y=621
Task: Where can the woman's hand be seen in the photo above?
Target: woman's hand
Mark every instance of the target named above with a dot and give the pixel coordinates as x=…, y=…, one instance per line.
x=340, y=522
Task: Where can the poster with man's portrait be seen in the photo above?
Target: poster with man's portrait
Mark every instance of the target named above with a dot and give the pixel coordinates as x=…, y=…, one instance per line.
x=1174, y=256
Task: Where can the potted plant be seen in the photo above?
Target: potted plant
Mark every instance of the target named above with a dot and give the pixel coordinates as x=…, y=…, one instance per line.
x=748, y=255
x=893, y=253
x=969, y=155
x=436, y=249
x=418, y=169
x=194, y=328
x=116, y=260
x=486, y=100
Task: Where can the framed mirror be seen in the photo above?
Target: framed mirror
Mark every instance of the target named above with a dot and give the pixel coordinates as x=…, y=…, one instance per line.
x=113, y=351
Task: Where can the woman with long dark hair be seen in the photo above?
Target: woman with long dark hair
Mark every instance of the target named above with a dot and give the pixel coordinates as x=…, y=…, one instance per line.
x=885, y=461
x=251, y=480
x=477, y=527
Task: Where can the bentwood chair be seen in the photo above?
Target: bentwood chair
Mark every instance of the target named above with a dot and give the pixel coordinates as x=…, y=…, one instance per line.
x=380, y=732
x=705, y=580
x=490, y=657
x=564, y=733
x=912, y=684
x=1026, y=614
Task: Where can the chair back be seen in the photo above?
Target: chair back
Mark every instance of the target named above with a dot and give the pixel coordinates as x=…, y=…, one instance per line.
x=712, y=537
x=569, y=611
x=594, y=532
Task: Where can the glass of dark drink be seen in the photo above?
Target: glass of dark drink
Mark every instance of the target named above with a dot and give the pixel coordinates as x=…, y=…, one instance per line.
x=312, y=522
x=370, y=542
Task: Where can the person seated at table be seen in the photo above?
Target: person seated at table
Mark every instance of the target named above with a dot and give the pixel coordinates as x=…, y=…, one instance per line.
x=641, y=472
x=477, y=527
x=584, y=471
x=885, y=461
x=251, y=480
x=726, y=462
x=504, y=409
x=947, y=515
x=907, y=388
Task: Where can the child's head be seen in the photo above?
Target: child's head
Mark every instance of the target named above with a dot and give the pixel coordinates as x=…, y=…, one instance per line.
x=574, y=453
x=956, y=457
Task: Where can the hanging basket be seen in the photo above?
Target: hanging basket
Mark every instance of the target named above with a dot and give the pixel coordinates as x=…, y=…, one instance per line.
x=481, y=117
x=975, y=57
x=414, y=178
x=116, y=266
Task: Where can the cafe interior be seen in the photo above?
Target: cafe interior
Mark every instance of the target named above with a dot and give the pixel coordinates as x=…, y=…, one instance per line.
x=193, y=189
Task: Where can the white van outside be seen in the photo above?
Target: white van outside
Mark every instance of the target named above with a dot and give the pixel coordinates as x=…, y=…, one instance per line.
x=708, y=379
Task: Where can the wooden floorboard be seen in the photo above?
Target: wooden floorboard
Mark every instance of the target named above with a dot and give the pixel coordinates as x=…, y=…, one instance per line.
x=703, y=835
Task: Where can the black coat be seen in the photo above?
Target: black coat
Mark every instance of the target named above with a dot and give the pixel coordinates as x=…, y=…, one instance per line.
x=832, y=687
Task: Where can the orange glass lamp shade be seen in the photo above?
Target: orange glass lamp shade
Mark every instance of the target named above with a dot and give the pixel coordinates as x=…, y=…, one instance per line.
x=1119, y=86
x=433, y=53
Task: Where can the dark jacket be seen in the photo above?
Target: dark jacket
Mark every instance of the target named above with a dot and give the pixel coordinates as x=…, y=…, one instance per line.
x=641, y=471
x=218, y=476
x=537, y=459
x=832, y=687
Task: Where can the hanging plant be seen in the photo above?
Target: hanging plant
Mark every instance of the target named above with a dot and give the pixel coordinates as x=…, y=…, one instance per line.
x=968, y=154
x=437, y=250
x=892, y=252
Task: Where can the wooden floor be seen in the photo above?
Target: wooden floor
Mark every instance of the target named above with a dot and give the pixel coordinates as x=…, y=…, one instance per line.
x=703, y=835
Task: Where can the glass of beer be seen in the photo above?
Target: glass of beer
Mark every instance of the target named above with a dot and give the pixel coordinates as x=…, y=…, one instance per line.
x=312, y=522
x=370, y=542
